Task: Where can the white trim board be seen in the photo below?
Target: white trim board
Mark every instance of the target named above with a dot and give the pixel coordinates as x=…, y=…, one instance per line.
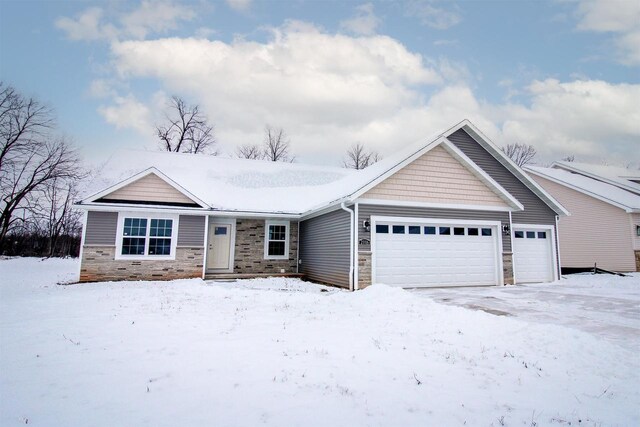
x=383, y=202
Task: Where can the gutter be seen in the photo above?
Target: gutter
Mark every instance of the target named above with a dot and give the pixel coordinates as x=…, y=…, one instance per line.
x=351, y=216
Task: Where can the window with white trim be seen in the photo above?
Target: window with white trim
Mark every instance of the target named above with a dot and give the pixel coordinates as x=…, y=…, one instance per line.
x=142, y=236
x=276, y=241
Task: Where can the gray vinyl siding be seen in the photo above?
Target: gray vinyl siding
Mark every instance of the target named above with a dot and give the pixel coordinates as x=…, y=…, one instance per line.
x=367, y=211
x=535, y=211
x=191, y=230
x=324, y=248
x=101, y=228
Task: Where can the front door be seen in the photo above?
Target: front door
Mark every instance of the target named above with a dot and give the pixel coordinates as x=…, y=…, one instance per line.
x=219, y=247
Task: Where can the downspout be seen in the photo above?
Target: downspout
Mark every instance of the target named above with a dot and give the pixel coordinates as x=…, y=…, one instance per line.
x=351, y=216
x=559, y=260
x=356, y=243
x=513, y=252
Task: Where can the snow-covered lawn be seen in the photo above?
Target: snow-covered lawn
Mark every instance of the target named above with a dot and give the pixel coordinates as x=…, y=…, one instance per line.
x=283, y=352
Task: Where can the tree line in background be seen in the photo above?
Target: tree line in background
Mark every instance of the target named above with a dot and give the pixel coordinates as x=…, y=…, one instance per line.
x=39, y=176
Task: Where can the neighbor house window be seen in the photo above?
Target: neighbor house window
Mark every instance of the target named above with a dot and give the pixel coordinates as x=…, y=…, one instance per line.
x=146, y=237
x=276, y=242
x=637, y=230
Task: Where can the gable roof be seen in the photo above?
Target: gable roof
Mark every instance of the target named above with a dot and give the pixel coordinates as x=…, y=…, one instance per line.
x=599, y=190
x=254, y=186
x=149, y=171
x=618, y=176
x=458, y=155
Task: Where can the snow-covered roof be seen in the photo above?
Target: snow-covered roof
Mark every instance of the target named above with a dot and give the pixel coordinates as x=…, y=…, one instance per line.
x=239, y=185
x=230, y=184
x=615, y=175
x=600, y=190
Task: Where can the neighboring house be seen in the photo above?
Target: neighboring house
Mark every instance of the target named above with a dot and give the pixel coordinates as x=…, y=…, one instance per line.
x=604, y=226
x=441, y=213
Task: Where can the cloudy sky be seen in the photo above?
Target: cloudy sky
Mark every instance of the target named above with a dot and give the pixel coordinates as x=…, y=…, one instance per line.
x=562, y=75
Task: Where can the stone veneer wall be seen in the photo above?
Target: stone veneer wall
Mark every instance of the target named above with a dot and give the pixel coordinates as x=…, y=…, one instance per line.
x=507, y=267
x=98, y=264
x=364, y=269
x=249, y=249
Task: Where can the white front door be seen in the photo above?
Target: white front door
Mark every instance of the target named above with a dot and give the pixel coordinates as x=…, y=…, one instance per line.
x=219, y=247
x=426, y=254
x=533, y=260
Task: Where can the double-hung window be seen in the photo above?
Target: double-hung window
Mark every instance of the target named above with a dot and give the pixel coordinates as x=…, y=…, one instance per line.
x=276, y=241
x=143, y=236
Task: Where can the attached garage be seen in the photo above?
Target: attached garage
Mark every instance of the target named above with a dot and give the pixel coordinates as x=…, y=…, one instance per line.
x=422, y=252
x=533, y=254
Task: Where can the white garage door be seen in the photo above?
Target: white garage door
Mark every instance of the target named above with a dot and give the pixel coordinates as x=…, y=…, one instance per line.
x=435, y=254
x=532, y=255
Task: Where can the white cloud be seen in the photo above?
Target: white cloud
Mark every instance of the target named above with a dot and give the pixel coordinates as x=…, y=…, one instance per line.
x=149, y=17
x=618, y=17
x=87, y=26
x=155, y=17
x=240, y=5
x=433, y=16
x=128, y=113
x=588, y=118
x=364, y=23
x=330, y=90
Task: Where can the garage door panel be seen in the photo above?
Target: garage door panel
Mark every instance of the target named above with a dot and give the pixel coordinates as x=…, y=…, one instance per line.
x=533, y=255
x=436, y=260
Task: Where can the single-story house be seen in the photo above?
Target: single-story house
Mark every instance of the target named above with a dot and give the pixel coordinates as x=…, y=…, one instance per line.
x=604, y=226
x=452, y=210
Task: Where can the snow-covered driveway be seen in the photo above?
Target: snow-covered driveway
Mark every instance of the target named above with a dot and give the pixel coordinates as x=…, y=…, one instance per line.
x=603, y=305
x=284, y=353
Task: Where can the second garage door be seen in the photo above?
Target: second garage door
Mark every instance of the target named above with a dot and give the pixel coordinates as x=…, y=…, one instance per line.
x=533, y=254
x=430, y=254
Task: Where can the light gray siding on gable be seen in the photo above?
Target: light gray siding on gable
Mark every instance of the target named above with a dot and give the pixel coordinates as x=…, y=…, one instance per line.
x=191, y=231
x=101, y=228
x=367, y=211
x=535, y=210
x=324, y=248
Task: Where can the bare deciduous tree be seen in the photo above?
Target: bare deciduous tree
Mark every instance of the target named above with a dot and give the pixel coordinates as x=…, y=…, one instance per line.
x=276, y=145
x=249, y=151
x=186, y=130
x=30, y=156
x=569, y=159
x=57, y=217
x=359, y=158
x=521, y=154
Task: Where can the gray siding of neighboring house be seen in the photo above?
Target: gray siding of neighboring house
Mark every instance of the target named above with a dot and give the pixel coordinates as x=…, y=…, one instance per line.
x=367, y=211
x=535, y=211
x=101, y=228
x=324, y=248
x=191, y=230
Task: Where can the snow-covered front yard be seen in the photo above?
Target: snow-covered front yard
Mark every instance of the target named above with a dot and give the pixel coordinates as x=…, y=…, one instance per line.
x=283, y=352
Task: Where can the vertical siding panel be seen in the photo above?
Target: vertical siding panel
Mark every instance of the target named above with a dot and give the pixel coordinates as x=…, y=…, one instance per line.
x=596, y=232
x=101, y=228
x=535, y=211
x=324, y=248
